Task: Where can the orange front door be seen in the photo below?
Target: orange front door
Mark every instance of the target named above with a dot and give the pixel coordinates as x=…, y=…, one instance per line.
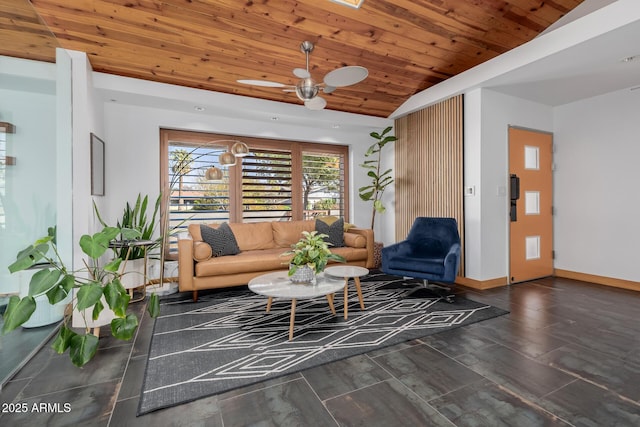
x=531, y=195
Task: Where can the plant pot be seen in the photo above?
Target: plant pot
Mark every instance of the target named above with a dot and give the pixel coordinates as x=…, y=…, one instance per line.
x=132, y=273
x=303, y=275
x=377, y=254
x=86, y=321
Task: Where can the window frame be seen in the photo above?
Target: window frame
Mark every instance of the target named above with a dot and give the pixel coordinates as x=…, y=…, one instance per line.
x=297, y=148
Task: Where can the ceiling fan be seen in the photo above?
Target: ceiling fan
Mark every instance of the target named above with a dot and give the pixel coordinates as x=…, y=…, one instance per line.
x=307, y=88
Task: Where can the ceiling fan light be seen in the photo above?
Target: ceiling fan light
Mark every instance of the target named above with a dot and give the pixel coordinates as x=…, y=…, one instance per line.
x=306, y=89
x=213, y=174
x=240, y=149
x=227, y=159
x=317, y=103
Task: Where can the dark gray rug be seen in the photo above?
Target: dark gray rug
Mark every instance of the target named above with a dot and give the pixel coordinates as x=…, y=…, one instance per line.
x=227, y=340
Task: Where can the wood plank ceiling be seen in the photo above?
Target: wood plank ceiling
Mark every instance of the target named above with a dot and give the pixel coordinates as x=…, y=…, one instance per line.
x=407, y=45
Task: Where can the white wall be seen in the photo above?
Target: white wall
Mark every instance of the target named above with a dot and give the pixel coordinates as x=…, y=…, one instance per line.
x=488, y=115
x=596, y=185
x=132, y=125
x=87, y=118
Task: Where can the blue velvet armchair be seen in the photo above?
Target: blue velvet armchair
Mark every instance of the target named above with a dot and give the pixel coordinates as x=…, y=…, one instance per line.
x=431, y=251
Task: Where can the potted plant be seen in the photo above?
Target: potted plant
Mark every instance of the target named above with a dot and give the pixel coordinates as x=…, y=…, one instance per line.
x=379, y=181
x=310, y=256
x=133, y=256
x=93, y=285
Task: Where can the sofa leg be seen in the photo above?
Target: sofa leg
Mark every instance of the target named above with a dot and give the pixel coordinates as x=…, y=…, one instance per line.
x=195, y=296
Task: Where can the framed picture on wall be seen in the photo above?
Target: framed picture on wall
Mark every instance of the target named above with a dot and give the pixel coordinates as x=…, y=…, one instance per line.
x=97, y=166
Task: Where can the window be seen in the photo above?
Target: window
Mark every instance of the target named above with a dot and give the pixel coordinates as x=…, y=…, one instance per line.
x=322, y=183
x=277, y=181
x=267, y=186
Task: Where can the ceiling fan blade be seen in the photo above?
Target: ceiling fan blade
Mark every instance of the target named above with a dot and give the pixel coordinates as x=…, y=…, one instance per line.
x=316, y=103
x=346, y=76
x=301, y=73
x=264, y=83
x=328, y=89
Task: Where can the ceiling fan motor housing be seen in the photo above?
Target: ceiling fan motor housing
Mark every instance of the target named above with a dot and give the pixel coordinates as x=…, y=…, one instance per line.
x=306, y=89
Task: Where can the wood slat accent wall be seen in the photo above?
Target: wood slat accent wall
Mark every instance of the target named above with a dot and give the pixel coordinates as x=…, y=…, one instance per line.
x=429, y=166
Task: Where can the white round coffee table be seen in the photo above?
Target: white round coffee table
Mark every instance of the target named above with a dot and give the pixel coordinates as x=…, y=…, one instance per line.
x=278, y=285
x=347, y=272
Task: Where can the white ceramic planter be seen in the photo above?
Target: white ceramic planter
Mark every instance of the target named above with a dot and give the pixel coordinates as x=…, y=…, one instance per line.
x=132, y=273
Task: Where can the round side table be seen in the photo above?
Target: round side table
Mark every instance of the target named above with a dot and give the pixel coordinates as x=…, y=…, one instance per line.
x=347, y=272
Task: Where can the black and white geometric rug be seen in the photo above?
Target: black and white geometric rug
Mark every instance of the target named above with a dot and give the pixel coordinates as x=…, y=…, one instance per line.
x=227, y=340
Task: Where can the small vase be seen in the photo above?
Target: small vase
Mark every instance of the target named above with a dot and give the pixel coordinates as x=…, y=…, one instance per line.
x=303, y=275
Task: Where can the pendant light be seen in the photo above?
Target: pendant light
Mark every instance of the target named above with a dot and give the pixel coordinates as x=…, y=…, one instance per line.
x=240, y=149
x=227, y=159
x=213, y=174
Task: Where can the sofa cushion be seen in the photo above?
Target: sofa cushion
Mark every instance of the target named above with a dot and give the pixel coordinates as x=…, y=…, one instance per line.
x=253, y=235
x=287, y=233
x=334, y=231
x=221, y=239
x=194, y=231
x=244, y=262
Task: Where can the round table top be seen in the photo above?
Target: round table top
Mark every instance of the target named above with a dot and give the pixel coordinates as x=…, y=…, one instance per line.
x=346, y=271
x=278, y=285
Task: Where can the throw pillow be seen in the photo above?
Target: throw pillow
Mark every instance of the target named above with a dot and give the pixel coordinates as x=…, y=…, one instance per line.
x=335, y=231
x=330, y=219
x=221, y=239
x=327, y=219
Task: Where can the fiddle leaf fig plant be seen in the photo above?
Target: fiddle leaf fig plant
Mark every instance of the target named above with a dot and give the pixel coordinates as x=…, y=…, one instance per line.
x=97, y=282
x=379, y=180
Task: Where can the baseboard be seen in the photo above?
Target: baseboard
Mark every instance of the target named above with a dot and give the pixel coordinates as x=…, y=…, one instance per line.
x=600, y=280
x=566, y=274
x=481, y=284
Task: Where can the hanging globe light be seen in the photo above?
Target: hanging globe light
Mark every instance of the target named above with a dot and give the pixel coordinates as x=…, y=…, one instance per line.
x=213, y=174
x=240, y=149
x=227, y=159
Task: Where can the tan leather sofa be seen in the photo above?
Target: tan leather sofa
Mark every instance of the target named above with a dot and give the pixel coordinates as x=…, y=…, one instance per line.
x=262, y=245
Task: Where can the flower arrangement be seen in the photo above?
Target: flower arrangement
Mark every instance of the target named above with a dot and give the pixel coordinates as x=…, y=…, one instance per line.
x=311, y=251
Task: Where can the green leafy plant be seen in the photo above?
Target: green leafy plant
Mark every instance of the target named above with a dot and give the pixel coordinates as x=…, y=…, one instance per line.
x=135, y=219
x=311, y=250
x=379, y=181
x=91, y=284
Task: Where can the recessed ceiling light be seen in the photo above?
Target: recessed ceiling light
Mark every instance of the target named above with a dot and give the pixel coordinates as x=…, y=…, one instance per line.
x=274, y=118
x=336, y=126
x=351, y=3
x=199, y=108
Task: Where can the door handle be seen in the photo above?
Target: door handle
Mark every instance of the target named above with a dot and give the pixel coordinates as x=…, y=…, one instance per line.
x=514, y=195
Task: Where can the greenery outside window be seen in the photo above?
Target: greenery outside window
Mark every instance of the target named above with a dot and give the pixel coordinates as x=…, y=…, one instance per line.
x=277, y=181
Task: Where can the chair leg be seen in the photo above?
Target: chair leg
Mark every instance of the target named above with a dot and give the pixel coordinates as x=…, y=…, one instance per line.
x=441, y=291
x=195, y=296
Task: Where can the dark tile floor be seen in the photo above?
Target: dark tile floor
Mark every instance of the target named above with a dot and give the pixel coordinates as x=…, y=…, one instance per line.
x=568, y=354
